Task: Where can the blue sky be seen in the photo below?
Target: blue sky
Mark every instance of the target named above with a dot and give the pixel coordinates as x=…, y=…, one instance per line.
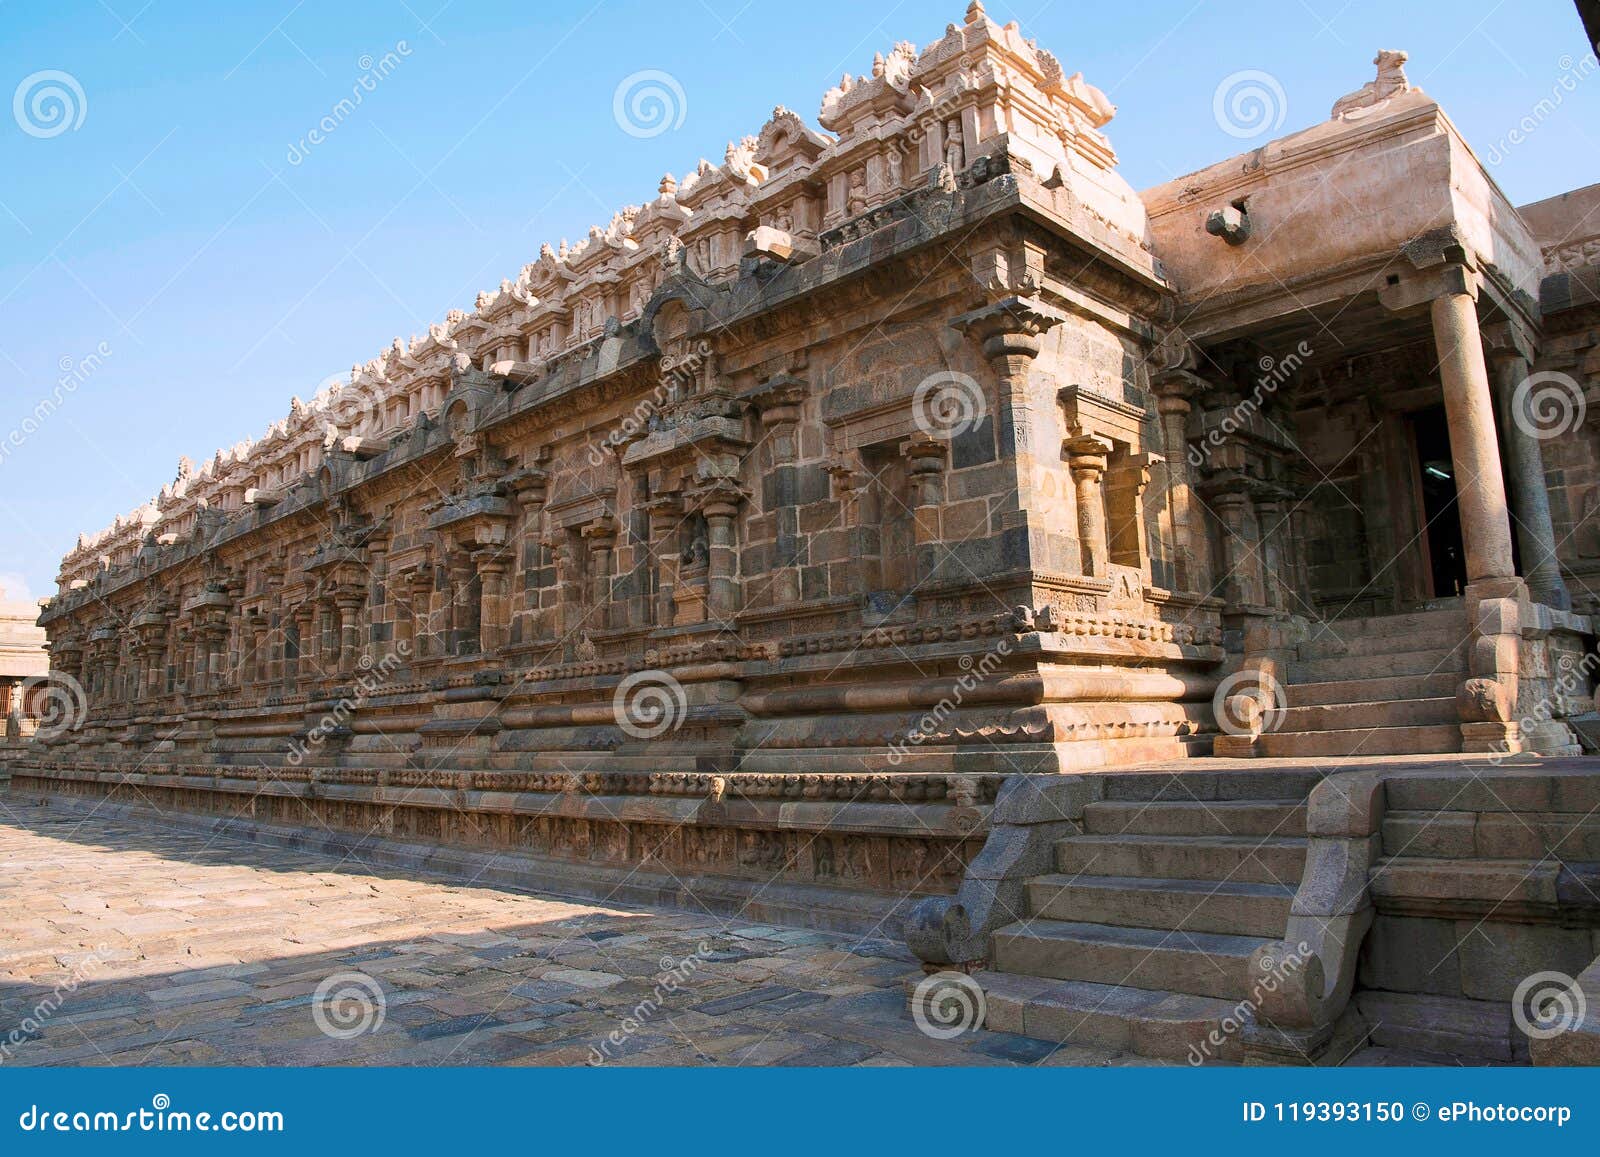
x=171, y=231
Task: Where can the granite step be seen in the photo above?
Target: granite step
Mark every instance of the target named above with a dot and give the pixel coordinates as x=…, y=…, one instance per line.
x=1194, y=963
x=1371, y=690
x=1164, y=1025
x=1430, y=661
x=1432, y=739
x=1349, y=716
x=1231, y=784
x=1257, y=859
x=1283, y=817
x=1236, y=908
x=1341, y=639
x=1453, y=611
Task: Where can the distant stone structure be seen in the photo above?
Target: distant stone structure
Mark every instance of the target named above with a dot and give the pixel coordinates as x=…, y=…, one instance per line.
x=23, y=666
x=744, y=549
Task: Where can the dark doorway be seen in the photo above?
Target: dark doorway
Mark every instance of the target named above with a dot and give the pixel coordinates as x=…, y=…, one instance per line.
x=1446, y=558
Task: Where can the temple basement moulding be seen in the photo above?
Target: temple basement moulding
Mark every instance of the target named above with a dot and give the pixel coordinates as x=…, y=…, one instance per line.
x=746, y=547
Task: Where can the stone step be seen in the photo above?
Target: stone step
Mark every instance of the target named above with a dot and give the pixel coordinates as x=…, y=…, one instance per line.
x=1237, y=908
x=1196, y=963
x=1283, y=817
x=1164, y=1025
x=1231, y=784
x=1260, y=859
x=1372, y=690
x=1433, y=739
x=1449, y=611
x=1350, y=716
x=1342, y=639
x=1419, y=662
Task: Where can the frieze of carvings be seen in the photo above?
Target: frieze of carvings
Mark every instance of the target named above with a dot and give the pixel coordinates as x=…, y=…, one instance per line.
x=1050, y=619
x=924, y=863
x=581, y=670
x=910, y=634
x=711, y=651
x=1572, y=256
x=965, y=790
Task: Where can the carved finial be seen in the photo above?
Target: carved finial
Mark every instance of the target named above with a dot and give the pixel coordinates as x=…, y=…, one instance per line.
x=668, y=185
x=877, y=64
x=975, y=11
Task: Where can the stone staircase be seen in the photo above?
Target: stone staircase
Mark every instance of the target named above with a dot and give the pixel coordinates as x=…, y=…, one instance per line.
x=1141, y=938
x=1375, y=686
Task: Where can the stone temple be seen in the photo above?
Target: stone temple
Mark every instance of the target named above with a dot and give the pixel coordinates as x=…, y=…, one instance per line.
x=903, y=523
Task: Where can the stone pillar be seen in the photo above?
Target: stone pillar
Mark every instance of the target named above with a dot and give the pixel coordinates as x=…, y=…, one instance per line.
x=530, y=488
x=462, y=610
x=1191, y=571
x=1469, y=410
x=423, y=635
x=377, y=602
x=348, y=603
x=221, y=673
x=1530, y=496
x=925, y=463
x=1011, y=333
x=491, y=563
x=404, y=621
x=666, y=515
x=1487, y=700
x=1241, y=547
x=260, y=650
x=198, y=684
x=1086, y=458
x=721, y=509
x=601, y=535
x=305, y=620
x=780, y=402
x=1272, y=517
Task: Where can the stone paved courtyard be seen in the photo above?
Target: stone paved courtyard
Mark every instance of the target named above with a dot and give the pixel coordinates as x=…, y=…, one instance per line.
x=166, y=947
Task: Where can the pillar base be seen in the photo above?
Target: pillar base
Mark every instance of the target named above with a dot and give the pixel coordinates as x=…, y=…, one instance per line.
x=1498, y=738
x=1236, y=747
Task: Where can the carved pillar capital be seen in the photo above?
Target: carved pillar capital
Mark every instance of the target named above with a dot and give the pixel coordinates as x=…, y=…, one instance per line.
x=778, y=400
x=1011, y=327
x=1086, y=454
